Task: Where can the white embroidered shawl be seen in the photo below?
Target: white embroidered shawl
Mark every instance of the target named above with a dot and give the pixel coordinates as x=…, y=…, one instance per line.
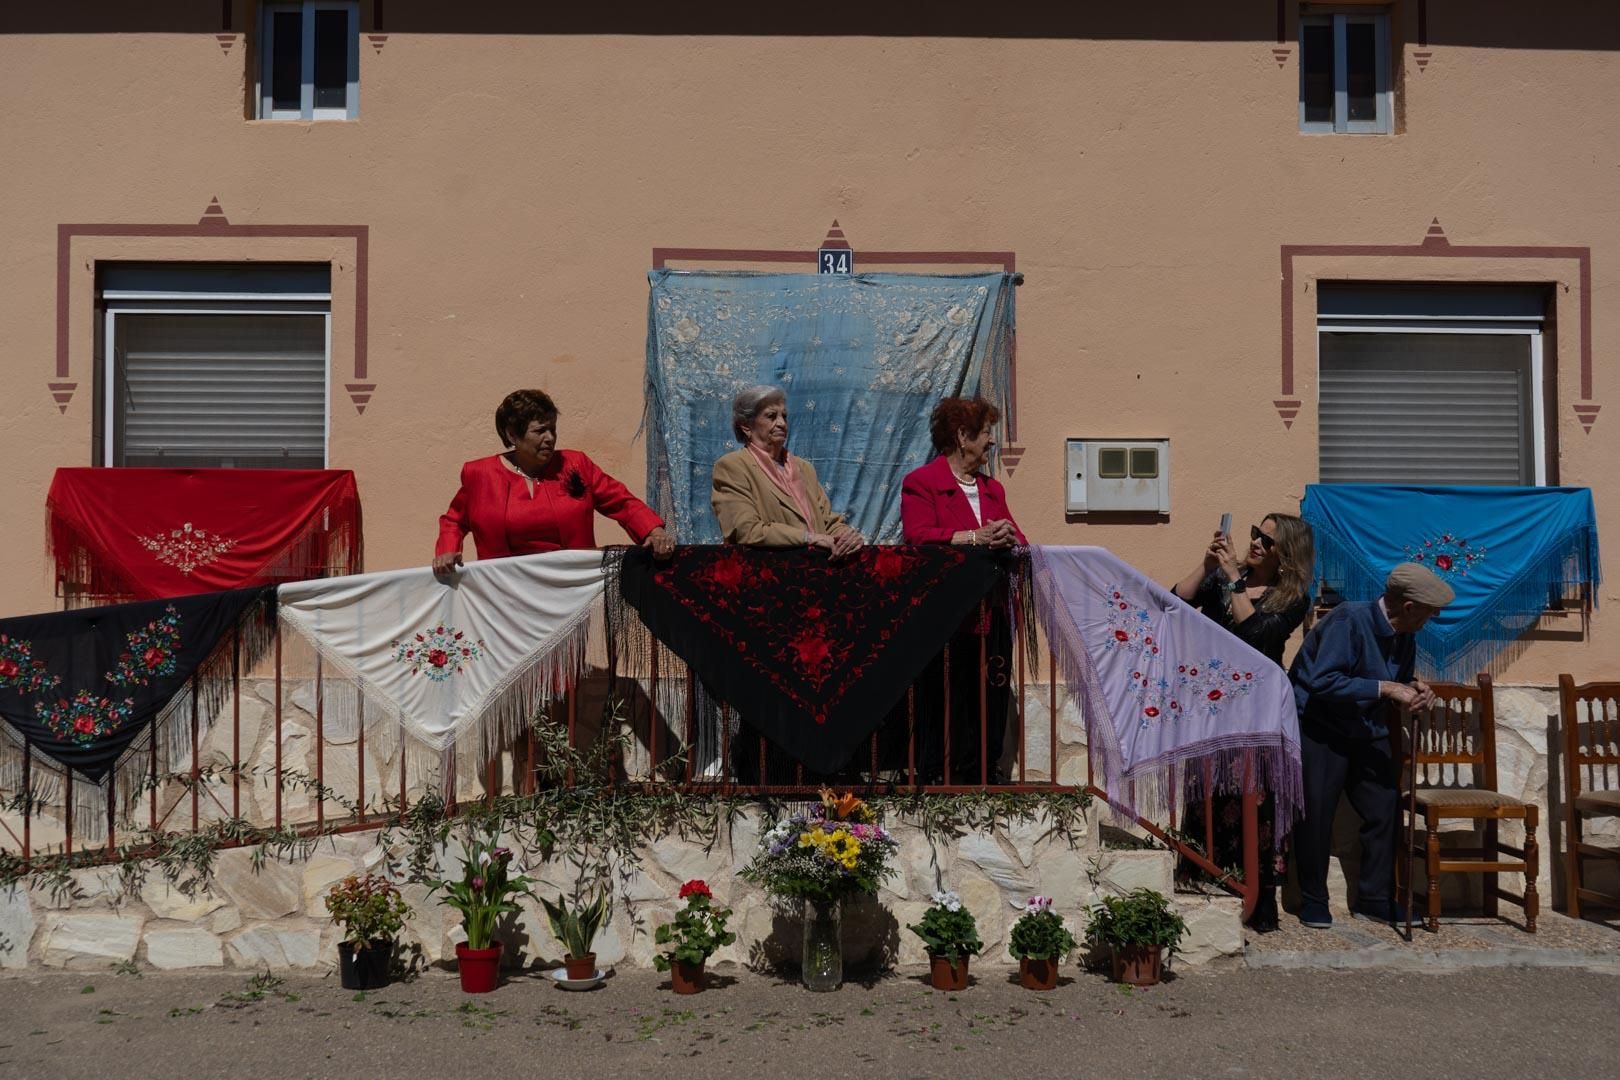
x=444, y=657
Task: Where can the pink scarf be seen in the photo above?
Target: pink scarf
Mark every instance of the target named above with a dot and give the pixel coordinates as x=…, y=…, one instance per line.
x=787, y=480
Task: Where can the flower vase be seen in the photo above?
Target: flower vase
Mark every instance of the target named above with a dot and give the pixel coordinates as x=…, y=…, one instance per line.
x=480, y=969
x=580, y=968
x=1038, y=974
x=823, y=961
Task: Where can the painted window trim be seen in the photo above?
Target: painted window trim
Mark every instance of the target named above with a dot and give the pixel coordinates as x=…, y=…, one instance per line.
x=306, y=83
x=1384, y=97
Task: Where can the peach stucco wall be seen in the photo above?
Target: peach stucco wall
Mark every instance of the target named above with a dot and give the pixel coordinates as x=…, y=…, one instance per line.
x=514, y=186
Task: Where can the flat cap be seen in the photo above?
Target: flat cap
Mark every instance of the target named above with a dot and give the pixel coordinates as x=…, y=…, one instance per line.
x=1417, y=583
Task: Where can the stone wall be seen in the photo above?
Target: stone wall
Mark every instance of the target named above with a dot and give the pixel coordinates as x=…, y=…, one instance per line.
x=273, y=915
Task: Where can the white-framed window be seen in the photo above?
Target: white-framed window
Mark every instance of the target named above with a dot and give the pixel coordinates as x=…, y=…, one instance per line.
x=309, y=60
x=1431, y=385
x=1344, y=73
x=213, y=366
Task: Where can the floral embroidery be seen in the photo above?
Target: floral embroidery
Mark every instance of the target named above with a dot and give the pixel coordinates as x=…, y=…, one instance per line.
x=1130, y=625
x=19, y=669
x=149, y=653
x=1205, y=688
x=186, y=548
x=1448, y=554
x=86, y=719
x=438, y=653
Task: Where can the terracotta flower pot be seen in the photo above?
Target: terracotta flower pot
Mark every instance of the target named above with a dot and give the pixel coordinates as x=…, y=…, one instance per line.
x=686, y=978
x=1139, y=965
x=480, y=969
x=1037, y=974
x=364, y=969
x=948, y=974
x=581, y=967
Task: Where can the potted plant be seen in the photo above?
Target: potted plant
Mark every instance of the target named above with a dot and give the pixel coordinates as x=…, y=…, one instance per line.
x=818, y=858
x=576, y=928
x=486, y=891
x=1040, y=941
x=1138, y=927
x=698, y=930
x=371, y=911
x=951, y=935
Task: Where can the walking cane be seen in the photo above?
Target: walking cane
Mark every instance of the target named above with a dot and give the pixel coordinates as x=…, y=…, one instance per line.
x=1410, y=832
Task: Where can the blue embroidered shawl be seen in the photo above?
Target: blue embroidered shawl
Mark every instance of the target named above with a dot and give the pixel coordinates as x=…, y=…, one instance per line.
x=1507, y=552
x=863, y=360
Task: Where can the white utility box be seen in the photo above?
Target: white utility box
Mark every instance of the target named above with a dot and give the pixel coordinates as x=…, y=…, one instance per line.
x=1117, y=474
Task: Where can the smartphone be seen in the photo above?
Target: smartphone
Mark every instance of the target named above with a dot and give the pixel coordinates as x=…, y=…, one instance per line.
x=1226, y=524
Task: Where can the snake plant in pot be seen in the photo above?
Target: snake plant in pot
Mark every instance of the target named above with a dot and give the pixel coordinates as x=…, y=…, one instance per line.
x=575, y=927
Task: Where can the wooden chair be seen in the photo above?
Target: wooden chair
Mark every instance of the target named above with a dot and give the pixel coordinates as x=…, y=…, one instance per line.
x=1589, y=714
x=1458, y=730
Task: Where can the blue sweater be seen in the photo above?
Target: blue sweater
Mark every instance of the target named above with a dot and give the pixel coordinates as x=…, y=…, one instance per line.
x=1338, y=669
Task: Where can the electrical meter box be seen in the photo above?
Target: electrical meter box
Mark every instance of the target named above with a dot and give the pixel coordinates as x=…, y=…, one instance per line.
x=1105, y=475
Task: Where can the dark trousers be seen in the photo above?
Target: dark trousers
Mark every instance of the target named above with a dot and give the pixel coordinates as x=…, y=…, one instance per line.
x=1363, y=771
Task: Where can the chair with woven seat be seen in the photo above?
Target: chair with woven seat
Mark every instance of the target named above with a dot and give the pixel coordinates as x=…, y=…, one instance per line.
x=1460, y=730
x=1589, y=714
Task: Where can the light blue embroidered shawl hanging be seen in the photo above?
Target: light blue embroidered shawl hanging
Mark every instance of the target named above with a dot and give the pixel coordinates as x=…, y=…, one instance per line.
x=1507, y=552
x=863, y=359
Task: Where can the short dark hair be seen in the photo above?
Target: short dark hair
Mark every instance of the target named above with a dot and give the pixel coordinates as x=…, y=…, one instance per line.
x=959, y=414
x=520, y=409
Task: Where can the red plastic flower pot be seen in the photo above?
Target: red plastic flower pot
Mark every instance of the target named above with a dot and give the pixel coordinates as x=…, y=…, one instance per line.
x=1037, y=974
x=480, y=969
x=685, y=978
x=948, y=974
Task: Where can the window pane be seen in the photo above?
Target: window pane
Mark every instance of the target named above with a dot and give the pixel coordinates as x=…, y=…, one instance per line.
x=331, y=59
x=286, y=58
x=202, y=391
x=1111, y=463
x=1316, y=67
x=1361, y=69
x=1425, y=409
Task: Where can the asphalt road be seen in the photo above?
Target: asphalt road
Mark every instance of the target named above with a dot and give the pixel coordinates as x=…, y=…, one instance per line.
x=1508, y=1023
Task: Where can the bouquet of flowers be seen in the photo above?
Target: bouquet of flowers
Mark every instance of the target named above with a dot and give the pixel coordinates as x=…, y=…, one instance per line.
x=947, y=928
x=828, y=852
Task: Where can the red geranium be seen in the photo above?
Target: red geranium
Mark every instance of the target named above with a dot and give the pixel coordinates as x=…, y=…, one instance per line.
x=695, y=887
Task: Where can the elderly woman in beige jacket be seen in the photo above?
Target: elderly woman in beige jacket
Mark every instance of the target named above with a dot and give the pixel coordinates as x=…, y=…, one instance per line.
x=766, y=497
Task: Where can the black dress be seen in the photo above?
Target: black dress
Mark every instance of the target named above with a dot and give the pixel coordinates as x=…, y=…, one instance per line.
x=1266, y=632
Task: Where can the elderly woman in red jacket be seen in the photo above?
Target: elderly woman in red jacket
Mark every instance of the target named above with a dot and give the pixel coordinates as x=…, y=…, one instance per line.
x=950, y=501
x=534, y=497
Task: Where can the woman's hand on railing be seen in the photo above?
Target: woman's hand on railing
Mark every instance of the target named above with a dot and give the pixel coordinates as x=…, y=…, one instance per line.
x=661, y=541
x=445, y=565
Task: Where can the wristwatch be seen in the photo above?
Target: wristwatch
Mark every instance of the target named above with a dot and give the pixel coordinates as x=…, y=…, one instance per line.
x=1234, y=586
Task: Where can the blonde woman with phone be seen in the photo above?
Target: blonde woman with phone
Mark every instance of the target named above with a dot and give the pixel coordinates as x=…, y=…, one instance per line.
x=1261, y=596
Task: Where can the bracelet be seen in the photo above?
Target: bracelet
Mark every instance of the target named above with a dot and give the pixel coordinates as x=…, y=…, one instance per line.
x=975, y=535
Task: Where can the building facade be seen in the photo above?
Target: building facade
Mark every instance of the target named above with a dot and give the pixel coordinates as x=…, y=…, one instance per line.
x=1299, y=242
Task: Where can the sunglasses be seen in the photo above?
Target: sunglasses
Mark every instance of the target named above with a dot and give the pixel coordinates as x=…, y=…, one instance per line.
x=1266, y=542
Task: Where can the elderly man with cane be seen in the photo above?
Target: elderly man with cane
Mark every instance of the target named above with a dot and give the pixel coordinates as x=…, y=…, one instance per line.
x=1355, y=661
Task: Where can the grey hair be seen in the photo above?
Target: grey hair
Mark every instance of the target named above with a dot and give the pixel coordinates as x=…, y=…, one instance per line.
x=750, y=403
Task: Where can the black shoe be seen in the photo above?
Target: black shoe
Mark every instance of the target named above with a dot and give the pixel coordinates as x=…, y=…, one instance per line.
x=1316, y=916
x=1381, y=911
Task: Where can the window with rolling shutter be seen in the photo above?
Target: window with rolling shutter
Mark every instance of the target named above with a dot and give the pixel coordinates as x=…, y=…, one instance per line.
x=1430, y=387
x=216, y=369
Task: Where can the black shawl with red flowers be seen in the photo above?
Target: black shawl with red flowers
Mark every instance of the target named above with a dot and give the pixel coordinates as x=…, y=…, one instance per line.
x=811, y=653
x=81, y=686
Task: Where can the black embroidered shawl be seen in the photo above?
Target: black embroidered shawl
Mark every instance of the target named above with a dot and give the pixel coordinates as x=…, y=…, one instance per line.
x=81, y=686
x=811, y=653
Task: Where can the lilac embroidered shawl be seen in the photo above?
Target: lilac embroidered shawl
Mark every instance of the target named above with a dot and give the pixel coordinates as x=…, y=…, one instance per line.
x=1168, y=697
